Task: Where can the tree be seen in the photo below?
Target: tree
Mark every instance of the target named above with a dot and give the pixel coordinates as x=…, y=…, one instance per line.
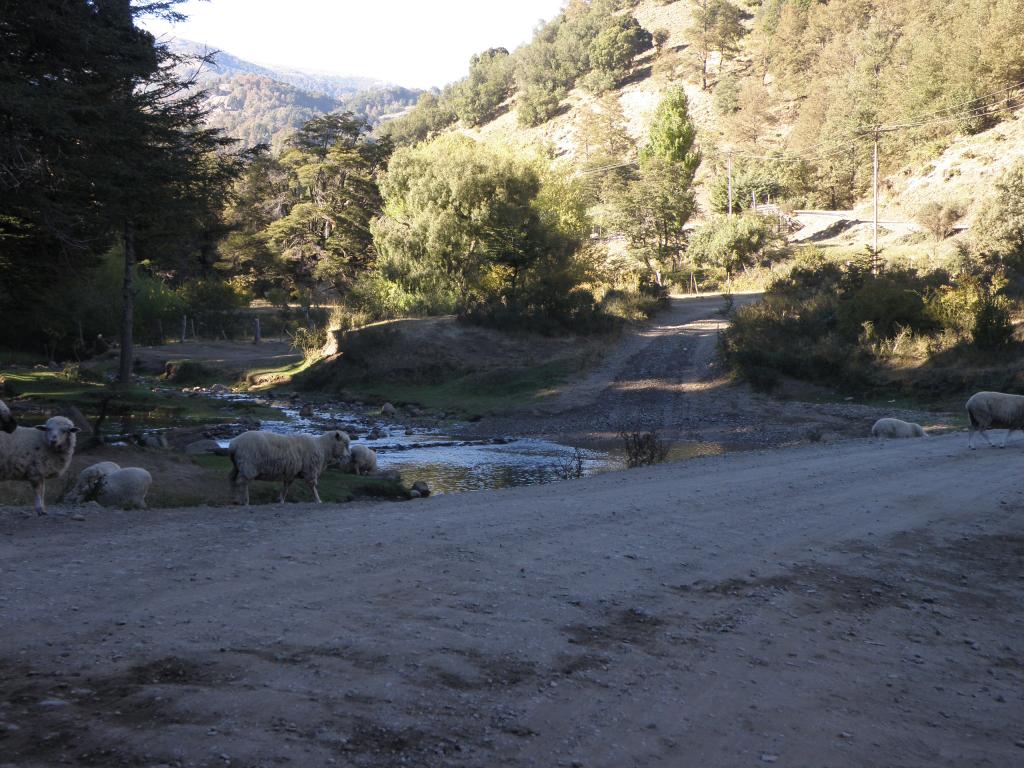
x=999, y=227
x=717, y=26
x=614, y=49
x=324, y=235
x=653, y=209
x=477, y=98
x=466, y=226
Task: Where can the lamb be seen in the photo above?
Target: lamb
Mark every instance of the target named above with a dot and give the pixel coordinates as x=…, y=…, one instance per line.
x=896, y=428
x=38, y=454
x=7, y=422
x=269, y=456
x=363, y=460
x=994, y=409
x=111, y=486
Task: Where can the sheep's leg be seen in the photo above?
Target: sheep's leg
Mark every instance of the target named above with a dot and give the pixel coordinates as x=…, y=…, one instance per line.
x=1009, y=433
x=39, y=488
x=284, y=490
x=316, y=493
x=244, y=482
x=984, y=434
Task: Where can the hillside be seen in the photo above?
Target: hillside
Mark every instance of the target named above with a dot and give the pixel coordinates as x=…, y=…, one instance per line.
x=262, y=105
x=759, y=105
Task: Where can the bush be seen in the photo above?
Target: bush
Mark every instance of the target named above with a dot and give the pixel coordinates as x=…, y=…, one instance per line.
x=644, y=448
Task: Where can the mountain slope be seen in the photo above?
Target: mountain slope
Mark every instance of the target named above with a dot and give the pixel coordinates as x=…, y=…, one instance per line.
x=263, y=105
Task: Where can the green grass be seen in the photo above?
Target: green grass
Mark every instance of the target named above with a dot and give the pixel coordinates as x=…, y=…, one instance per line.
x=335, y=487
x=477, y=393
x=146, y=407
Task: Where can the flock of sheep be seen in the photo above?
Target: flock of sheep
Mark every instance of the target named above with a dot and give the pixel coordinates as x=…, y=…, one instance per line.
x=45, y=452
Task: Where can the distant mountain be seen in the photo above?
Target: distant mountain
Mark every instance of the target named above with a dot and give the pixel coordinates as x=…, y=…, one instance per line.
x=262, y=105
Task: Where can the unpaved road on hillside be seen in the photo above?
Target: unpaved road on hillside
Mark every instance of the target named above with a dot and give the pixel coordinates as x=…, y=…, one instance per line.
x=857, y=604
x=665, y=376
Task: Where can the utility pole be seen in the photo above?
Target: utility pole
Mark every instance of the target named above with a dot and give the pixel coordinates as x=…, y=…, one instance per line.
x=874, y=246
x=730, y=183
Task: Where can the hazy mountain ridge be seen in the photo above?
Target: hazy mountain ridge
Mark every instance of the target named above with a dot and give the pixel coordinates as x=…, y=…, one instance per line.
x=258, y=104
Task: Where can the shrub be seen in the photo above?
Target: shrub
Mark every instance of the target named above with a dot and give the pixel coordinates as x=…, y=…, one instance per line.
x=644, y=448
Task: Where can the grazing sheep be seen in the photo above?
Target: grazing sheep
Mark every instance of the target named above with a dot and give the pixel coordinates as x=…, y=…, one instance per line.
x=363, y=460
x=269, y=456
x=38, y=454
x=111, y=486
x=88, y=482
x=126, y=488
x=7, y=422
x=896, y=428
x=997, y=410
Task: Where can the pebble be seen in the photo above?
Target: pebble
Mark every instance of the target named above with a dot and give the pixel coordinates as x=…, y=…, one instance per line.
x=767, y=757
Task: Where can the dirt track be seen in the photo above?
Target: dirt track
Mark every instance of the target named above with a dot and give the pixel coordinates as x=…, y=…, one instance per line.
x=664, y=376
x=857, y=604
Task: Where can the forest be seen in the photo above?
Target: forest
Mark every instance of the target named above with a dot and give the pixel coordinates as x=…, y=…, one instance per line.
x=123, y=208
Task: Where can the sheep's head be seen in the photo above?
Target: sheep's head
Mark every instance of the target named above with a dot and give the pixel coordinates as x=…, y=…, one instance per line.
x=7, y=422
x=60, y=433
x=337, y=442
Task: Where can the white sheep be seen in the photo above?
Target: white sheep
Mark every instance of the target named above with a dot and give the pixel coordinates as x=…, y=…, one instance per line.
x=126, y=488
x=997, y=410
x=38, y=454
x=111, y=486
x=896, y=428
x=363, y=460
x=88, y=481
x=7, y=422
x=269, y=456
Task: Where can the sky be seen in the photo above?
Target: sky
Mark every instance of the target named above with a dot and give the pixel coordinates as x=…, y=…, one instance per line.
x=415, y=43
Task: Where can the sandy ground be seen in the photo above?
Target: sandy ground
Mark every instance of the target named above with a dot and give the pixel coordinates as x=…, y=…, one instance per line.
x=857, y=604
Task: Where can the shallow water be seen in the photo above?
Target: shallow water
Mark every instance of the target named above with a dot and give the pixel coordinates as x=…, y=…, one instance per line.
x=451, y=465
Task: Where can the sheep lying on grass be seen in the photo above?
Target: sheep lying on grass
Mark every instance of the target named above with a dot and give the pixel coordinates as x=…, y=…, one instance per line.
x=363, y=460
x=269, y=456
x=998, y=410
x=896, y=428
x=7, y=422
x=38, y=454
x=111, y=486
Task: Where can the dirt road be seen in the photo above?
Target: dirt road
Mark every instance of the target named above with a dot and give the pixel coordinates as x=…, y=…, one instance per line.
x=857, y=604
x=665, y=376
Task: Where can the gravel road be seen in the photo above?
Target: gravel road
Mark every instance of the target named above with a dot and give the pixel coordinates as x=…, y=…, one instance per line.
x=854, y=604
x=665, y=376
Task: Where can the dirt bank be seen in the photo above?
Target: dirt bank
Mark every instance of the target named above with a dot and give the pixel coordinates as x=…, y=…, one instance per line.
x=856, y=604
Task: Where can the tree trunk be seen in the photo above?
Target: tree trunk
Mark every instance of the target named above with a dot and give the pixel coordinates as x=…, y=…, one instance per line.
x=124, y=374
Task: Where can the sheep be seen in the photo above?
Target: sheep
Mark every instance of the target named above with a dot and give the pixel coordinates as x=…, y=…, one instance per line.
x=269, y=456
x=363, y=460
x=994, y=409
x=896, y=428
x=38, y=454
x=7, y=421
x=126, y=488
x=88, y=482
x=111, y=486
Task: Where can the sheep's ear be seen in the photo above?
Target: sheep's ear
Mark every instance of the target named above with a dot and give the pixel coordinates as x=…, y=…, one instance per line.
x=73, y=430
x=41, y=427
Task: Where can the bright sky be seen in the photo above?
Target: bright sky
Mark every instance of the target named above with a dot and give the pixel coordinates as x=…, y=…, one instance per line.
x=415, y=43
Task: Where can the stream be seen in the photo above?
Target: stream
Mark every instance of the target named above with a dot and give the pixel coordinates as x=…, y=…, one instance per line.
x=447, y=464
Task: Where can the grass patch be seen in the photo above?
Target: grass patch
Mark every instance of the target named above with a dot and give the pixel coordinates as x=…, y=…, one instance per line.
x=477, y=393
x=335, y=487
x=140, y=406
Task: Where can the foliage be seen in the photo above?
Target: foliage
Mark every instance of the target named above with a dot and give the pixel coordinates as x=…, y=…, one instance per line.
x=468, y=228
x=717, y=26
x=999, y=229
x=733, y=243
x=938, y=219
x=644, y=449
x=476, y=99
x=840, y=324
x=652, y=209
